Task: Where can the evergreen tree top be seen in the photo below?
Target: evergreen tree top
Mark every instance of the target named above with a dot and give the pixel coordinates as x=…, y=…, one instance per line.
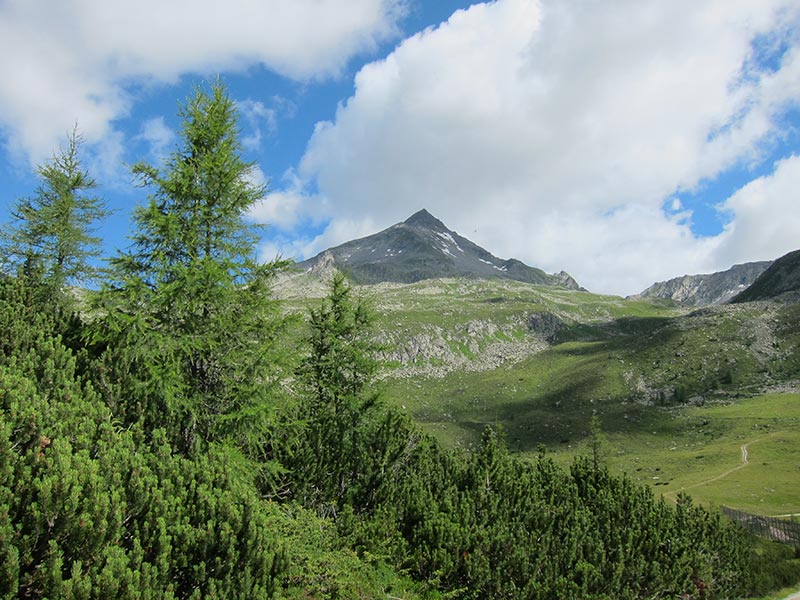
x=197, y=213
x=51, y=238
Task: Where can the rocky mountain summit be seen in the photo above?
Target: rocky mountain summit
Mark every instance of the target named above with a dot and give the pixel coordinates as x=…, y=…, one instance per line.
x=709, y=289
x=420, y=248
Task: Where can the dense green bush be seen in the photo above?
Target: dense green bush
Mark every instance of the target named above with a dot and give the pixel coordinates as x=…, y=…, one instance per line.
x=87, y=509
x=772, y=566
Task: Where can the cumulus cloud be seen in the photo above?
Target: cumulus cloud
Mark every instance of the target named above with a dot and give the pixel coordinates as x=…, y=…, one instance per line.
x=259, y=118
x=71, y=60
x=765, y=220
x=288, y=207
x=557, y=131
x=105, y=161
x=289, y=245
x=159, y=137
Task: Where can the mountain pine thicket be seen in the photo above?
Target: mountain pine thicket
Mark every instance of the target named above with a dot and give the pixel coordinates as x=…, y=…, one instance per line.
x=167, y=442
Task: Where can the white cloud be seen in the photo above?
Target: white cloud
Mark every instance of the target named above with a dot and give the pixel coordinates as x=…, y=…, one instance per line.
x=293, y=208
x=258, y=118
x=255, y=176
x=104, y=161
x=160, y=137
x=339, y=229
x=70, y=60
x=766, y=220
x=269, y=251
x=284, y=209
x=555, y=131
x=299, y=248
x=287, y=208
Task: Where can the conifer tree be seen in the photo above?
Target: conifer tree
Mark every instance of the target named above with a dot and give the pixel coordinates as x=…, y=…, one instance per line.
x=51, y=239
x=189, y=300
x=88, y=511
x=341, y=362
x=193, y=246
x=337, y=371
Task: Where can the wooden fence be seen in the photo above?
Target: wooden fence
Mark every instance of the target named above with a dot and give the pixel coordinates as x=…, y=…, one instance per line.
x=780, y=530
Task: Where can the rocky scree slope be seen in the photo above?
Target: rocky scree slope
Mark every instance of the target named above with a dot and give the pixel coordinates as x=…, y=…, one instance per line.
x=636, y=350
x=435, y=327
x=422, y=247
x=438, y=326
x=708, y=289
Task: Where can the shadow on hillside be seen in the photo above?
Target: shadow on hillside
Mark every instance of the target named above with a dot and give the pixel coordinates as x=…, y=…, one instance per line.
x=558, y=417
x=617, y=329
x=560, y=414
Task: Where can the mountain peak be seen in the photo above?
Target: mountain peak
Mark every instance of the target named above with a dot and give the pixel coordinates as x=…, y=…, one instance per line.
x=422, y=247
x=425, y=219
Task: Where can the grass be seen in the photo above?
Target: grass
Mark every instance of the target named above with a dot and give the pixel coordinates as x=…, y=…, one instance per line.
x=670, y=449
x=632, y=364
x=628, y=362
x=780, y=594
x=452, y=303
x=701, y=453
x=549, y=399
x=528, y=399
x=615, y=369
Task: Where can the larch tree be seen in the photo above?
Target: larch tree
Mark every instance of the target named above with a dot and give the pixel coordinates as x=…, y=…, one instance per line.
x=337, y=373
x=189, y=299
x=51, y=240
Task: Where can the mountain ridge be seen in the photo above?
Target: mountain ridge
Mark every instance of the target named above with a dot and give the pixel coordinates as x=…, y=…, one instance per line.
x=781, y=281
x=423, y=247
x=706, y=289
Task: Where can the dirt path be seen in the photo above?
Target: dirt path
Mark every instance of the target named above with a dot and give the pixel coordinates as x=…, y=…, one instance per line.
x=728, y=472
x=743, y=464
x=794, y=596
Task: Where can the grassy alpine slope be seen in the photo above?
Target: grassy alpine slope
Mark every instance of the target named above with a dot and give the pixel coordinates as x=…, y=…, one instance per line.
x=677, y=393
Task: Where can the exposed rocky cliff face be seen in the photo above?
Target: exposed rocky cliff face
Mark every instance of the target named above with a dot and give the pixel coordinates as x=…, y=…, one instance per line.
x=422, y=247
x=479, y=345
x=705, y=290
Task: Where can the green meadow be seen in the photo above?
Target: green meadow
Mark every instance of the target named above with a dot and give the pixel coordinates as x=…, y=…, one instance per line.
x=744, y=455
x=696, y=449
x=677, y=394
x=616, y=359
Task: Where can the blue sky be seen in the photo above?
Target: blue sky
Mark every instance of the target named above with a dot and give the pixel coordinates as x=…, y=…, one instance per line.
x=624, y=142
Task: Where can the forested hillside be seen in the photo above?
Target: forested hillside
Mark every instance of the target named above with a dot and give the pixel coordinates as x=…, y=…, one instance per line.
x=166, y=438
